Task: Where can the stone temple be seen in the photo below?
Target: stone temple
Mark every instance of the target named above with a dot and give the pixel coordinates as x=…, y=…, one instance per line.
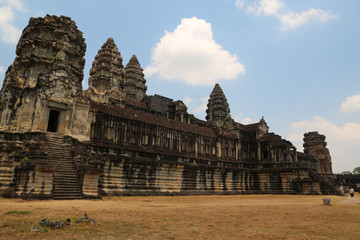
x=58, y=141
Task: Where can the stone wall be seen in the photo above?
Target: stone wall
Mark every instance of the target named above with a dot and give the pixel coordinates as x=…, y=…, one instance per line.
x=122, y=172
x=34, y=183
x=24, y=171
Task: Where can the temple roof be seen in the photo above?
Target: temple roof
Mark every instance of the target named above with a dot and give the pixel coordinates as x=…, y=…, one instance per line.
x=275, y=139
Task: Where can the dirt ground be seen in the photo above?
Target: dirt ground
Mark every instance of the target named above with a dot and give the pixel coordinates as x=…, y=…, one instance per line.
x=186, y=217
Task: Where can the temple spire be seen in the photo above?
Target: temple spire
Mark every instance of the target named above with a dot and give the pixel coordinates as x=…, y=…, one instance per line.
x=107, y=71
x=134, y=87
x=218, y=108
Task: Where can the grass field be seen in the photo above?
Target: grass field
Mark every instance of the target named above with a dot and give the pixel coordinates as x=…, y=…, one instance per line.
x=187, y=217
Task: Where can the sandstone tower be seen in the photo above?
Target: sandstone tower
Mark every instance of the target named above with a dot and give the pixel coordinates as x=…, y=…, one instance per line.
x=218, y=108
x=134, y=87
x=48, y=69
x=107, y=72
x=314, y=143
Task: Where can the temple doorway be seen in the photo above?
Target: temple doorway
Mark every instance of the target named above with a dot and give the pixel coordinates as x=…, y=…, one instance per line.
x=53, y=122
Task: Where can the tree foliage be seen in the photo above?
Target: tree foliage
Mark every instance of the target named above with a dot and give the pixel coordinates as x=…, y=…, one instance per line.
x=356, y=170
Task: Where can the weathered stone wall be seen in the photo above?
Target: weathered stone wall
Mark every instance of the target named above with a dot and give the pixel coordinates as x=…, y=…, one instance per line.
x=24, y=170
x=123, y=172
x=35, y=182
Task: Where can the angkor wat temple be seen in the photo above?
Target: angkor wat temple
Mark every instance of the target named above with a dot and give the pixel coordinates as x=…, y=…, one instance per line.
x=58, y=141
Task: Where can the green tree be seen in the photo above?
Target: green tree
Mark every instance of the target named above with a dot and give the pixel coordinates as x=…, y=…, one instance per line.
x=346, y=173
x=356, y=170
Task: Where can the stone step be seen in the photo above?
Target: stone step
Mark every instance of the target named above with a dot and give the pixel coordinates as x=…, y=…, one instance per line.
x=56, y=152
x=65, y=181
x=67, y=193
x=65, y=171
x=62, y=164
x=61, y=161
x=60, y=180
x=66, y=176
x=59, y=190
x=69, y=185
x=66, y=185
x=60, y=154
x=57, y=146
x=64, y=168
x=67, y=197
x=67, y=166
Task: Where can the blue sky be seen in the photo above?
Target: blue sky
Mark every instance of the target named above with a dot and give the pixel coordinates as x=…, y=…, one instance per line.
x=297, y=63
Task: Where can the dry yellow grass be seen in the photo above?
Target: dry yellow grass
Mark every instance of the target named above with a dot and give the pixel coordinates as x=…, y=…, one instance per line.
x=190, y=217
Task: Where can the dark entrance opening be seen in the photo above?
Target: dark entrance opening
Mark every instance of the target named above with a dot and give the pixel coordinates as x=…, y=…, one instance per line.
x=53, y=121
x=265, y=154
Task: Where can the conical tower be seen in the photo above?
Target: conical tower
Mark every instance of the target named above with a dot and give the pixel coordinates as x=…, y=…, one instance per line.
x=134, y=87
x=107, y=70
x=218, y=108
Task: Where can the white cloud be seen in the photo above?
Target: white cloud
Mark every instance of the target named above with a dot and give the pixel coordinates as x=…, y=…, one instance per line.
x=238, y=117
x=190, y=54
x=2, y=70
x=202, y=108
x=295, y=138
x=343, y=141
x=349, y=132
x=246, y=120
x=242, y=120
x=267, y=7
x=352, y=104
x=9, y=33
x=292, y=19
x=240, y=3
x=16, y=4
x=187, y=100
x=288, y=18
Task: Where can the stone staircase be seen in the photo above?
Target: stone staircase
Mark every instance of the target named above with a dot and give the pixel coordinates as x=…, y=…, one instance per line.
x=65, y=183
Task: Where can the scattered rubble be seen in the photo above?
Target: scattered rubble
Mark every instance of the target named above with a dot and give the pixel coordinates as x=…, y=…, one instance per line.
x=46, y=223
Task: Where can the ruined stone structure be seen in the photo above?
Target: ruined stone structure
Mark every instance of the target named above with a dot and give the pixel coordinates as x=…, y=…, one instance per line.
x=314, y=144
x=58, y=141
